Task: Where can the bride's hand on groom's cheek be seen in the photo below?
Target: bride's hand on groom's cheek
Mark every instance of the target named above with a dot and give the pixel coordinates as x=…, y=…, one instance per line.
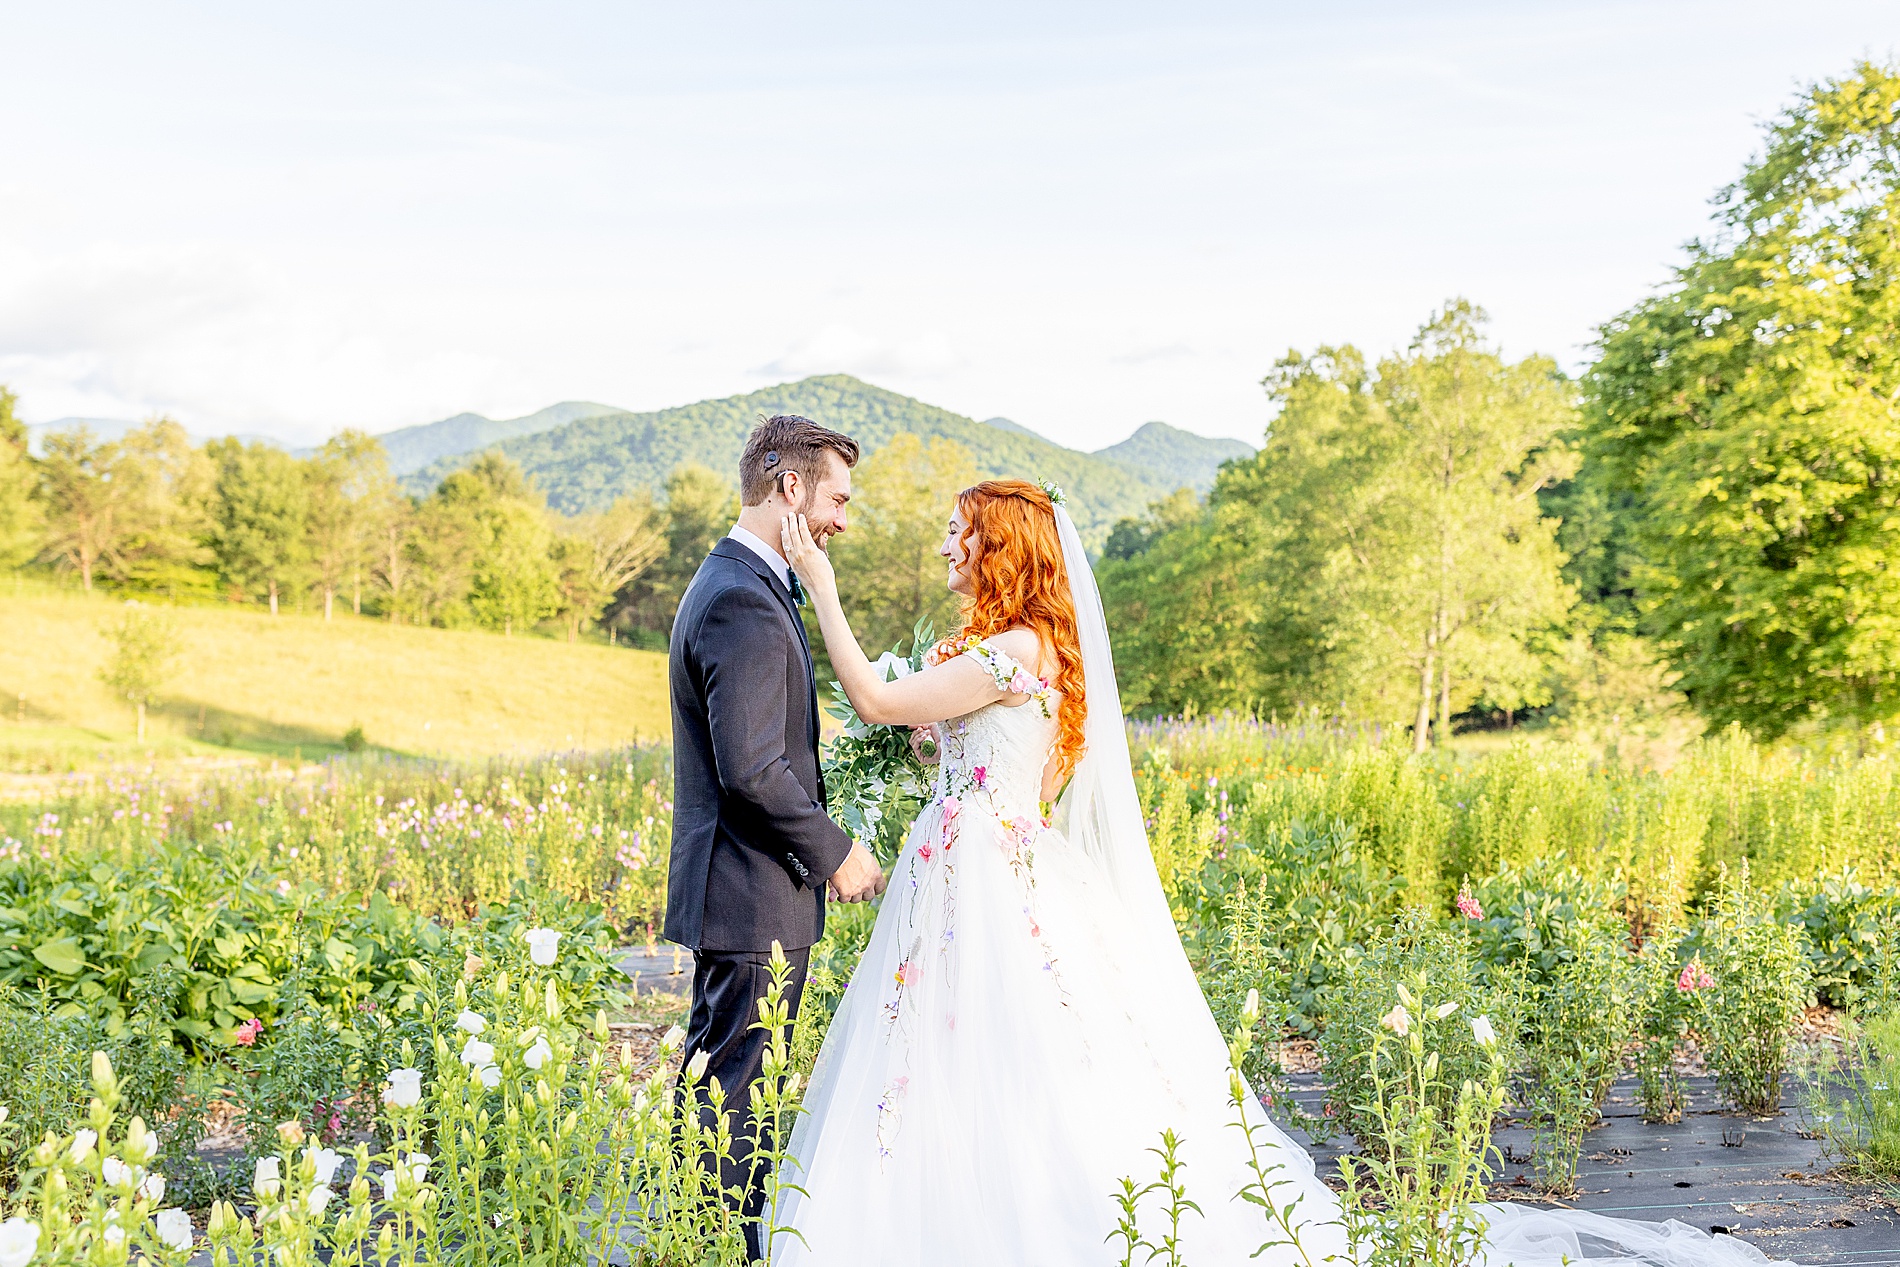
x=806, y=556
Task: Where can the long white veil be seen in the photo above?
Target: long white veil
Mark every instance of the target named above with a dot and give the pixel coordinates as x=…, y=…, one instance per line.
x=1099, y=811
x=1101, y=814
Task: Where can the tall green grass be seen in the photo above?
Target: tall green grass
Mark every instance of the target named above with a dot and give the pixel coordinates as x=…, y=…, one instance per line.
x=1436, y=819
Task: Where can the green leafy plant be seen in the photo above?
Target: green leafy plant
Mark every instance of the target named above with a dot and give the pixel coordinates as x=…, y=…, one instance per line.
x=1356, y=1044
x=1409, y=1201
x=1846, y=923
x=1579, y=1021
x=1853, y=1101
x=1302, y=906
x=1665, y=1002
x=1535, y=918
x=1760, y=968
x=874, y=782
x=233, y=934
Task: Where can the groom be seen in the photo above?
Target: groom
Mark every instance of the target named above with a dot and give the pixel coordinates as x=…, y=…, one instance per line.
x=753, y=852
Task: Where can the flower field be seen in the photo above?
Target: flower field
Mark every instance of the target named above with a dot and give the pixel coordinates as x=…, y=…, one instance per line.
x=389, y=981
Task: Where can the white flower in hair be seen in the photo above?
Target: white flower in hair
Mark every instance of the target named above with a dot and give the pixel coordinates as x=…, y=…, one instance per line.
x=1054, y=490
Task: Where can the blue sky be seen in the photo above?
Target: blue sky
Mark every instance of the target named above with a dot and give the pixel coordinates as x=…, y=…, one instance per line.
x=291, y=219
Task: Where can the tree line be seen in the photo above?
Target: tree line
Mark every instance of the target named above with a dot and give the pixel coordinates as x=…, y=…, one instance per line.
x=1710, y=512
x=152, y=514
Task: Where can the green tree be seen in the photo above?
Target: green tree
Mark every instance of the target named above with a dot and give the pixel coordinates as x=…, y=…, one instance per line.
x=1383, y=555
x=700, y=509
x=437, y=552
x=21, y=515
x=1185, y=608
x=144, y=648
x=511, y=571
x=1462, y=569
x=260, y=532
x=1746, y=415
x=888, y=567
x=391, y=555
x=596, y=556
x=85, y=509
x=166, y=488
x=349, y=486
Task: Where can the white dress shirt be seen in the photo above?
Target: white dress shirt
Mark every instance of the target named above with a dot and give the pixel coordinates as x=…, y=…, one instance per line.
x=773, y=559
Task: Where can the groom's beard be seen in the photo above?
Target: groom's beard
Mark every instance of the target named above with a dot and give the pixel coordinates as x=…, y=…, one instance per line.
x=820, y=534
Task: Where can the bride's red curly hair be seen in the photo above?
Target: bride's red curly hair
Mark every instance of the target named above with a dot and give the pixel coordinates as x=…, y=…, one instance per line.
x=1019, y=582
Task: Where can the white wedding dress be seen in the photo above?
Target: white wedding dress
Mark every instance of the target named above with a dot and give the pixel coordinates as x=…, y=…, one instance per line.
x=1024, y=1025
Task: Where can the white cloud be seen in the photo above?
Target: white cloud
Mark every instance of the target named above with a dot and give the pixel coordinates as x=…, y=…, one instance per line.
x=1080, y=218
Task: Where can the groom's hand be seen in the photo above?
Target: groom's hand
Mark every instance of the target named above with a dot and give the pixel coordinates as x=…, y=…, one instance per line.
x=860, y=878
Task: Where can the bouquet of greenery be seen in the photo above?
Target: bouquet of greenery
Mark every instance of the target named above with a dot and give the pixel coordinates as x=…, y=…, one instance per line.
x=873, y=780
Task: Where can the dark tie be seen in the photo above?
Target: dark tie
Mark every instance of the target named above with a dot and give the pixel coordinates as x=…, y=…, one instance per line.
x=798, y=591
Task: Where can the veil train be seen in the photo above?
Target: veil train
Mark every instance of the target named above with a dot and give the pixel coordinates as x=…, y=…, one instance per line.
x=1101, y=815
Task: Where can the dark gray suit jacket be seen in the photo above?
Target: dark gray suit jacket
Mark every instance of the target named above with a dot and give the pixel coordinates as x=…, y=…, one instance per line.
x=752, y=847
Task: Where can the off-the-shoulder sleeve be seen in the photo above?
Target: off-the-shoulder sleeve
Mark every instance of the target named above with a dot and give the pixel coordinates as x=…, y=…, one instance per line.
x=1009, y=674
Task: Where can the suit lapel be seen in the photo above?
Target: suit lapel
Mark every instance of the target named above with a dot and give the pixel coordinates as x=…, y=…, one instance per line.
x=727, y=548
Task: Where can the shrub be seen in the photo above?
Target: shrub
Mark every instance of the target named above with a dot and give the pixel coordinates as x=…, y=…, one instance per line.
x=43, y=1080
x=1409, y=1202
x=1846, y=924
x=1580, y=1019
x=1664, y=1004
x=231, y=934
x=1303, y=904
x=1535, y=918
x=1853, y=1104
x=1760, y=970
x=1434, y=965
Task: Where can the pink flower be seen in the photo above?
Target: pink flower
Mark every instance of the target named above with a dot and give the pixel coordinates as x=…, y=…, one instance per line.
x=247, y=1032
x=924, y=851
x=1468, y=905
x=981, y=774
x=1694, y=977
x=1022, y=683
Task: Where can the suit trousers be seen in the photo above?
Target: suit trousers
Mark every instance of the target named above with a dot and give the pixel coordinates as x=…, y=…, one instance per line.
x=727, y=987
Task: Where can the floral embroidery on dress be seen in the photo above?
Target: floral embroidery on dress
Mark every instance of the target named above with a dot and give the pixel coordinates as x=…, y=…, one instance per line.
x=1013, y=677
x=890, y=1114
x=988, y=767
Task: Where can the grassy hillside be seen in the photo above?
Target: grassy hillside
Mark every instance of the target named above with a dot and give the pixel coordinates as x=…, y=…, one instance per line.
x=248, y=682
x=587, y=463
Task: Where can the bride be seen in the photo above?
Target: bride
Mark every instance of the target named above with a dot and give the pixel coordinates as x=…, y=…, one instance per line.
x=1024, y=1024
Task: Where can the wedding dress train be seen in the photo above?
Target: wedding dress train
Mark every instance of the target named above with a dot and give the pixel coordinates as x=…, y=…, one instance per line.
x=1024, y=1025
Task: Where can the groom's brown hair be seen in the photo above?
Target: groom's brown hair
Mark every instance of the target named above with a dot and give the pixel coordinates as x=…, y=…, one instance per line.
x=787, y=442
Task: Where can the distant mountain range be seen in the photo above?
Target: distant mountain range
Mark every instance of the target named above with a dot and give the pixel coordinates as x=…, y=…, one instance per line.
x=412, y=448
x=587, y=460
x=584, y=455
x=110, y=429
